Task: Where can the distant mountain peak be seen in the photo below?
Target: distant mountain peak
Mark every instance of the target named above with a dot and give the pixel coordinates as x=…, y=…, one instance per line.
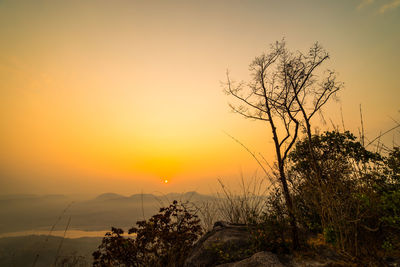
x=109, y=196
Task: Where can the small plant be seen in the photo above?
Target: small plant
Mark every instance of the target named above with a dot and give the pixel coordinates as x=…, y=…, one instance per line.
x=330, y=235
x=163, y=240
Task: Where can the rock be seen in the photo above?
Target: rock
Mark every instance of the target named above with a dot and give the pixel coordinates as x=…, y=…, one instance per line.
x=320, y=256
x=260, y=259
x=225, y=242
x=229, y=245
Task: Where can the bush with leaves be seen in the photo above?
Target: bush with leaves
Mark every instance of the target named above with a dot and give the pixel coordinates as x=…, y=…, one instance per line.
x=354, y=199
x=343, y=163
x=388, y=190
x=164, y=240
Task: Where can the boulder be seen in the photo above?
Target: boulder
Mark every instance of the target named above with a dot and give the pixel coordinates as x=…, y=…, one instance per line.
x=225, y=242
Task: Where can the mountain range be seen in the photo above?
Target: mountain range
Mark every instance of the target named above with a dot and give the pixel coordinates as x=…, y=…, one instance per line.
x=45, y=212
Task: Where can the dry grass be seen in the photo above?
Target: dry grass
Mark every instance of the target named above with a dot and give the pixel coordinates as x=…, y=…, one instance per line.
x=247, y=205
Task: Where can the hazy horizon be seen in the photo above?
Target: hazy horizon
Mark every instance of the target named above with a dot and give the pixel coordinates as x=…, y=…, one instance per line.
x=90, y=196
x=117, y=96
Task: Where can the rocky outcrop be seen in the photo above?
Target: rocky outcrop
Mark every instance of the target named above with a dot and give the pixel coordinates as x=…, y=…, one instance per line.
x=229, y=245
x=228, y=242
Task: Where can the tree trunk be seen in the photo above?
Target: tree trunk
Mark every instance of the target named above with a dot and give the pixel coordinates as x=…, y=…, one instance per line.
x=289, y=205
x=282, y=177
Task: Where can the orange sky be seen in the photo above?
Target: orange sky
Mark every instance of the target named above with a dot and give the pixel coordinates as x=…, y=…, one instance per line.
x=99, y=96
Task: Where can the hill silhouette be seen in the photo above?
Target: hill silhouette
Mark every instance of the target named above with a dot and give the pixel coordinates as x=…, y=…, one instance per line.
x=35, y=212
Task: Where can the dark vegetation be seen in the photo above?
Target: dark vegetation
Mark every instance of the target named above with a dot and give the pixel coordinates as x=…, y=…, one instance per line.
x=352, y=205
x=164, y=240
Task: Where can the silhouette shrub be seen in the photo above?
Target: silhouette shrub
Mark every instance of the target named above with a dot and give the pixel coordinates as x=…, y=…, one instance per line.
x=354, y=200
x=164, y=240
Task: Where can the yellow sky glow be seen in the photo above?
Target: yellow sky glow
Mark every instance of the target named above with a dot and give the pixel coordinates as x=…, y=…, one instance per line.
x=100, y=96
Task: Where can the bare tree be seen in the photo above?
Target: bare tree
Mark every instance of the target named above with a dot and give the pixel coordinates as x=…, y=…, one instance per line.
x=311, y=90
x=285, y=92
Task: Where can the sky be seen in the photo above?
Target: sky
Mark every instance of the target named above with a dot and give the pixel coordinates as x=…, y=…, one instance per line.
x=117, y=96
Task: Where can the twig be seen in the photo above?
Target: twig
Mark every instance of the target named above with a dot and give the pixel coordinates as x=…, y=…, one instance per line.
x=50, y=232
x=251, y=153
x=380, y=135
x=62, y=240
